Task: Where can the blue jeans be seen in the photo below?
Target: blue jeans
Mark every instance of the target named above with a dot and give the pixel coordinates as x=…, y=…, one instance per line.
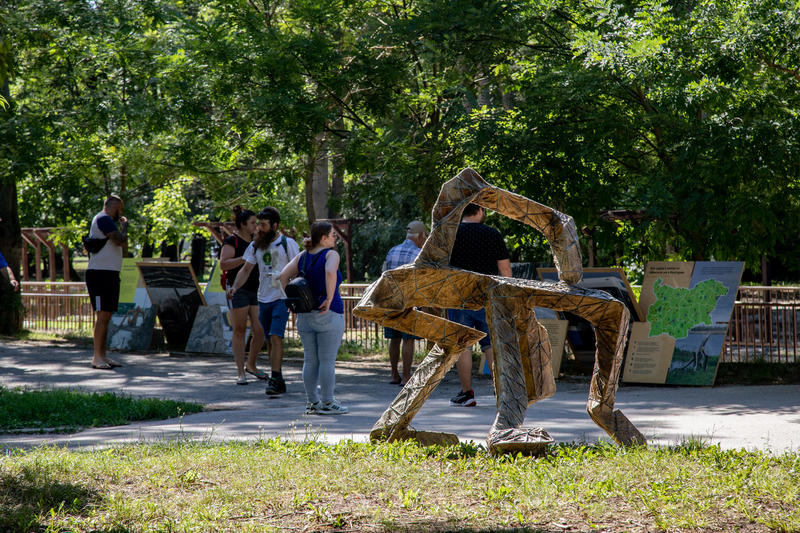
x=273, y=317
x=474, y=320
x=321, y=335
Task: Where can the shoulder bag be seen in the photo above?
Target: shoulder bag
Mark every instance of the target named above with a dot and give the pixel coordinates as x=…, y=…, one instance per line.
x=299, y=296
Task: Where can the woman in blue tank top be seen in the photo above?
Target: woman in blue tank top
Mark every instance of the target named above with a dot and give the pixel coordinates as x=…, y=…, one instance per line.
x=320, y=330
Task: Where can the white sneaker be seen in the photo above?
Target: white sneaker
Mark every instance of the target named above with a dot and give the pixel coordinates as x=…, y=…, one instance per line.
x=332, y=408
x=312, y=408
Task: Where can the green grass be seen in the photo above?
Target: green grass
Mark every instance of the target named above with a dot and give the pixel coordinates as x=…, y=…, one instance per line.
x=70, y=410
x=351, y=351
x=758, y=373
x=278, y=485
x=76, y=336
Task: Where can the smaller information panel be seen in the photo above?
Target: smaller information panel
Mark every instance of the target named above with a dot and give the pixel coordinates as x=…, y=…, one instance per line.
x=175, y=294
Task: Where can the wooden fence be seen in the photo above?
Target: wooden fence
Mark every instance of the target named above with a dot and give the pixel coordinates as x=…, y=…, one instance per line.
x=764, y=324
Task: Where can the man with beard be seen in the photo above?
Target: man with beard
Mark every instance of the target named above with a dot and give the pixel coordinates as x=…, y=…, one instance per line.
x=271, y=251
x=102, y=274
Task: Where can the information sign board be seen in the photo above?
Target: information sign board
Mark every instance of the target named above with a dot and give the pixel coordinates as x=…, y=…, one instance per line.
x=688, y=306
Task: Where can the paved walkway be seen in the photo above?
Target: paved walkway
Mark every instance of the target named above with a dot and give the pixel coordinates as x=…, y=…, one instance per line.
x=750, y=417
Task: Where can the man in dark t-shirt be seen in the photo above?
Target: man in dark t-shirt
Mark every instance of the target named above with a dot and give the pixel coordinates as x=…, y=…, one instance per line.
x=478, y=248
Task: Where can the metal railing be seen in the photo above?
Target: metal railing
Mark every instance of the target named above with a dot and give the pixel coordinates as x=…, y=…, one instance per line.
x=765, y=324
x=57, y=306
x=65, y=307
x=54, y=287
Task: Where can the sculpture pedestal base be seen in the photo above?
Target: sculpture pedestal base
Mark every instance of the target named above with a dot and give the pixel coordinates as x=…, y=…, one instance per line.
x=532, y=441
x=424, y=438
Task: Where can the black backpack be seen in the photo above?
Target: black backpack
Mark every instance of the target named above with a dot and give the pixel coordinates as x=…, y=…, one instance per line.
x=299, y=296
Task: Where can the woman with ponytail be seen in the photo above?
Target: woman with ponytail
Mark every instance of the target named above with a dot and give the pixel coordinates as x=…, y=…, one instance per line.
x=320, y=330
x=244, y=303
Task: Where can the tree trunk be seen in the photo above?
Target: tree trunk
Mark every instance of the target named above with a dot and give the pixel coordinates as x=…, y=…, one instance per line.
x=316, y=180
x=337, y=172
x=123, y=180
x=147, y=248
x=11, y=247
x=308, y=179
x=766, y=271
x=10, y=244
x=199, y=256
x=169, y=250
x=320, y=181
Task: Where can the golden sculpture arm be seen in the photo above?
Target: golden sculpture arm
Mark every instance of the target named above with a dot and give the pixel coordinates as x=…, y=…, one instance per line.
x=468, y=187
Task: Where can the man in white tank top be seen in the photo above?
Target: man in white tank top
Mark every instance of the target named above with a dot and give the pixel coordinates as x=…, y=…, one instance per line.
x=102, y=274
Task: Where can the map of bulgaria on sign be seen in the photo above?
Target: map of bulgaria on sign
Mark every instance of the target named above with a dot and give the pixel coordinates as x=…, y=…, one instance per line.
x=687, y=307
x=677, y=310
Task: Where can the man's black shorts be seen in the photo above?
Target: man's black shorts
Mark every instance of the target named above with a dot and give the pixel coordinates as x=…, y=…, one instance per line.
x=103, y=286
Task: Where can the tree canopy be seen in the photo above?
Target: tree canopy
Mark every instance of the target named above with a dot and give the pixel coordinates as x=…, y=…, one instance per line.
x=667, y=129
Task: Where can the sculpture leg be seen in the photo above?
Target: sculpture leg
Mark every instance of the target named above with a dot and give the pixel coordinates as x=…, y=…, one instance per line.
x=382, y=304
x=610, y=331
x=610, y=319
x=394, y=423
x=518, y=339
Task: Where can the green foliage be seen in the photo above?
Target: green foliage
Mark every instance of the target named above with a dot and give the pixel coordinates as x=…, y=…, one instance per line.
x=700, y=106
x=383, y=226
x=86, y=100
x=167, y=215
x=5, y=68
x=70, y=233
x=685, y=117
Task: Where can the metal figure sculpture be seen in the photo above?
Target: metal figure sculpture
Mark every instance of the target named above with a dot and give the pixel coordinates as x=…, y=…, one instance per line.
x=522, y=373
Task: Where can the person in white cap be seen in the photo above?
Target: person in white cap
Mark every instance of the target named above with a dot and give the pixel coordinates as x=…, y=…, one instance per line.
x=402, y=254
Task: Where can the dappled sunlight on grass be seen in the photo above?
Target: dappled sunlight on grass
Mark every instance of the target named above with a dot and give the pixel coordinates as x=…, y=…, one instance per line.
x=278, y=484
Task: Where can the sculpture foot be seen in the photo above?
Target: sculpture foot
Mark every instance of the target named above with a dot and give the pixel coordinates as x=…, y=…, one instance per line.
x=424, y=438
x=532, y=441
x=625, y=432
x=618, y=427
